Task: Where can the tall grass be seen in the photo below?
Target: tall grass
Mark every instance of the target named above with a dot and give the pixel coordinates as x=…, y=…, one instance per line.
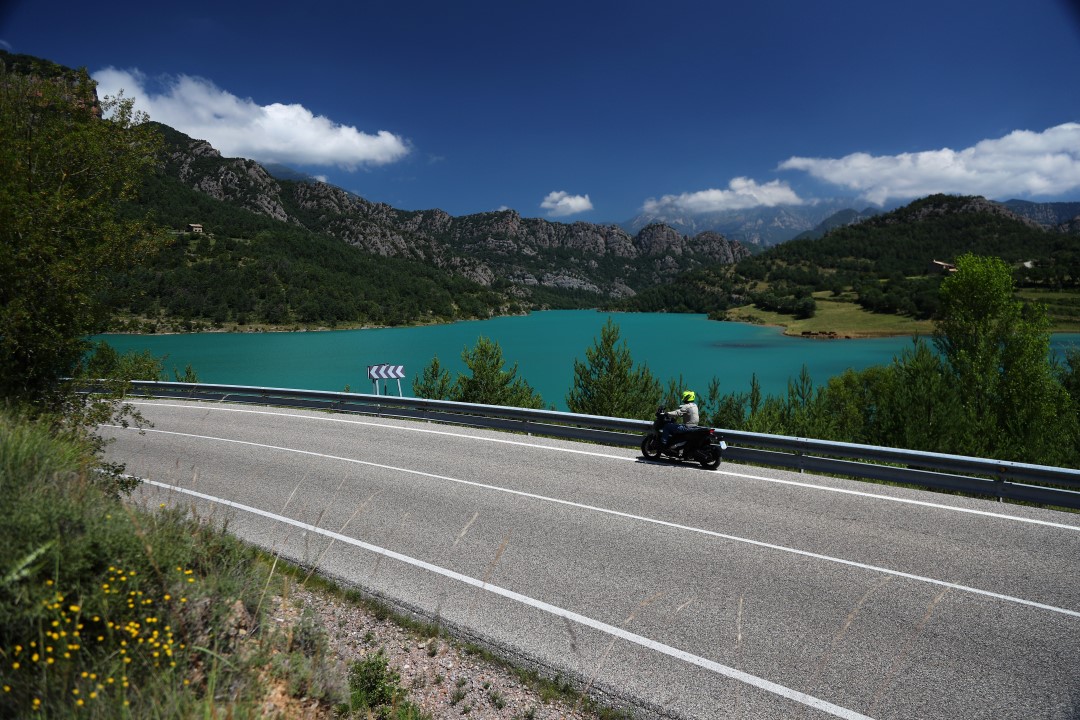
x=109, y=612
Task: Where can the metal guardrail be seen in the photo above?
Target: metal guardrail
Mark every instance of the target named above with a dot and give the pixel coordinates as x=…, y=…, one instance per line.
x=996, y=478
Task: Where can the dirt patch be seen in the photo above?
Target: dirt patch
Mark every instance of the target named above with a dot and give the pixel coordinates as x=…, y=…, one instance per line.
x=441, y=678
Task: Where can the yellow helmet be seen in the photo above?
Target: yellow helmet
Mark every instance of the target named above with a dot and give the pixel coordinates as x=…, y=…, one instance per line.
x=688, y=396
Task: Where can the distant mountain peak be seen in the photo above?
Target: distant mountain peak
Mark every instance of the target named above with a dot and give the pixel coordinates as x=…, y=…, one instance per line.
x=760, y=226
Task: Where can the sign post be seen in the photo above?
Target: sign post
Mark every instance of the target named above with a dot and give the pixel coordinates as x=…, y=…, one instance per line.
x=386, y=372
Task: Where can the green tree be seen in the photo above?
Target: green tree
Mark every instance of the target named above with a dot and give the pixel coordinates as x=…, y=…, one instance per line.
x=920, y=403
x=488, y=383
x=911, y=403
x=65, y=172
x=609, y=384
x=105, y=363
x=852, y=405
x=998, y=350
x=434, y=382
x=1069, y=373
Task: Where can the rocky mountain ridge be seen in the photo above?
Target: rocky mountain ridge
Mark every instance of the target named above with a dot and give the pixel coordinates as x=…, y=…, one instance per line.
x=1062, y=217
x=765, y=227
x=489, y=248
x=761, y=226
x=1049, y=214
x=940, y=205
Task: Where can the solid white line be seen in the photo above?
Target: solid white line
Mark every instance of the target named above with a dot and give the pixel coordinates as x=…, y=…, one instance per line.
x=726, y=671
x=639, y=518
x=368, y=423
x=747, y=476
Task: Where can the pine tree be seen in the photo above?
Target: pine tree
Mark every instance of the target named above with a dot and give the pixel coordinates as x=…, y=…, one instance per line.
x=609, y=384
x=434, y=383
x=488, y=383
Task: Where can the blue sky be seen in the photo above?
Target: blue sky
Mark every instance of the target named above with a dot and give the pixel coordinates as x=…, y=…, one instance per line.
x=597, y=110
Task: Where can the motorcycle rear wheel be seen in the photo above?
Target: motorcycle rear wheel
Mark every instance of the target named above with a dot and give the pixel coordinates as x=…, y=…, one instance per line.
x=710, y=457
x=650, y=447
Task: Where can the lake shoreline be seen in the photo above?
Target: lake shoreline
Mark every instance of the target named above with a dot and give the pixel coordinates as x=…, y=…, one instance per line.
x=260, y=329
x=263, y=328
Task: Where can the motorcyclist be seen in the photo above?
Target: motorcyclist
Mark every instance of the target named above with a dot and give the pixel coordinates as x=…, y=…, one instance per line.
x=687, y=410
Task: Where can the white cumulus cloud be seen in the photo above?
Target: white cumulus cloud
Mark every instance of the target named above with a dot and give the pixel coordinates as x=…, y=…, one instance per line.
x=1020, y=163
x=741, y=193
x=239, y=127
x=561, y=204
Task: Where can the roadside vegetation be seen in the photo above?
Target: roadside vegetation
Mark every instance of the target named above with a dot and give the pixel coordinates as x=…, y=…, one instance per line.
x=109, y=612
x=104, y=611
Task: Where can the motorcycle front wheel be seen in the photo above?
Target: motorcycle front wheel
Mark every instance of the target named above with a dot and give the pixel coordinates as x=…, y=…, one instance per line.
x=710, y=457
x=650, y=447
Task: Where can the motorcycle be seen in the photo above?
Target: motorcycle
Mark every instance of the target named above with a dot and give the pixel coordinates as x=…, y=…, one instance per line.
x=699, y=444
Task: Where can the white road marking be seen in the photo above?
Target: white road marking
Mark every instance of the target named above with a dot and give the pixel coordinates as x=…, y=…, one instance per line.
x=747, y=476
x=638, y=518
x=729, y=672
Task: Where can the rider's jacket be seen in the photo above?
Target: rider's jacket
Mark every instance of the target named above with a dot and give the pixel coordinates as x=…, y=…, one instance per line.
x=688, y=411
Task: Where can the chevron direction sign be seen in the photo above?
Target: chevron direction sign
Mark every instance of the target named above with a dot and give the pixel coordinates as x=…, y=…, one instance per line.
x=386, y=372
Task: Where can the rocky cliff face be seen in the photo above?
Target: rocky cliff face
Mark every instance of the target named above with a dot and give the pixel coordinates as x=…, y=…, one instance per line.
x=234, y=180
x=486, y=247
x=333, y=211
x=1048, y=215
x=1072, y=227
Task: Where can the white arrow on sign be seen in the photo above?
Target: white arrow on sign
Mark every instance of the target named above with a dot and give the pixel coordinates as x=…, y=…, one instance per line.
x=386, y=372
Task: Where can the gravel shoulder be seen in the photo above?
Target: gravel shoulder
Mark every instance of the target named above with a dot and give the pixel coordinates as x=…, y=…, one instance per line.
x=442, y=677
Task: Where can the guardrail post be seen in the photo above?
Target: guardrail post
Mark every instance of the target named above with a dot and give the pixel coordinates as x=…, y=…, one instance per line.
x=999, y=483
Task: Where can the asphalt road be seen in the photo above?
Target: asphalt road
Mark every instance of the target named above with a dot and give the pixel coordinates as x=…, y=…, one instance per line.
x=741, y=593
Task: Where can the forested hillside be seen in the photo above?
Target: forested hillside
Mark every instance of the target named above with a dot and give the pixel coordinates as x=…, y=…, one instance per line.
x=884, y=263
x=253, y=269
x=290, y=276
x=296, y=252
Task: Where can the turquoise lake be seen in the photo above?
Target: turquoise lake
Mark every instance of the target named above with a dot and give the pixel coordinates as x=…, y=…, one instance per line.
x=543, y=344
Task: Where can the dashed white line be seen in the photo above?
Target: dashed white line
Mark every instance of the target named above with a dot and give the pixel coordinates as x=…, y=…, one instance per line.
x=638, y=518
x=718, y=668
